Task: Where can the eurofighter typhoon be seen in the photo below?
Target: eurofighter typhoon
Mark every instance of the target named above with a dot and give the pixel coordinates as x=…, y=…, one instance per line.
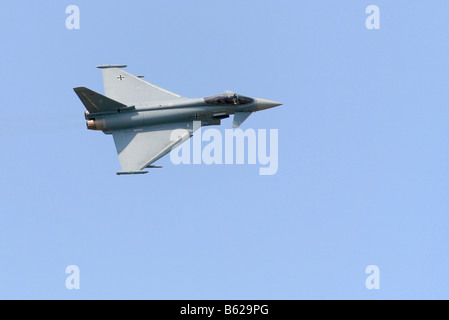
x=142, y=117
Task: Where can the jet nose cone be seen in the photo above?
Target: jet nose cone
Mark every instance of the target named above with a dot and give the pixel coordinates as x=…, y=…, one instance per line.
x=263, y=104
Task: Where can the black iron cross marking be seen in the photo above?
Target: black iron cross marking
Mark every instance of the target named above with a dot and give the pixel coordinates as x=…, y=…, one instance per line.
x=120, y=77
x=196, y=116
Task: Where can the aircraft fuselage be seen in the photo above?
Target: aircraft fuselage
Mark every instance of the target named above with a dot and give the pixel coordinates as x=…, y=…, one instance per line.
x=188, y=110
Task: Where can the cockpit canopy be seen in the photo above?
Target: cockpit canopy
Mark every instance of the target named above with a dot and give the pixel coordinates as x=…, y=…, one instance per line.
x=228, y=99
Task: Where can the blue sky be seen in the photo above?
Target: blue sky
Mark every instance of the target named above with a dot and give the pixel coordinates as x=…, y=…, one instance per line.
x=363, y=153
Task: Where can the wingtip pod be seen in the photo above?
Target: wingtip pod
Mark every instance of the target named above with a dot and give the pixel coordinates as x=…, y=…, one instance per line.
x=112, y=66
x=129, y=173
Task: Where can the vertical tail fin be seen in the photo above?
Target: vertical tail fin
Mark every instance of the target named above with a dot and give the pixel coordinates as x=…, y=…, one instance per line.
x=97, y=103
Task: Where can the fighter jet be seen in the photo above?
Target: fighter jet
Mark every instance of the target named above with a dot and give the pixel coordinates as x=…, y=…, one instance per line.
x=142, y=117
